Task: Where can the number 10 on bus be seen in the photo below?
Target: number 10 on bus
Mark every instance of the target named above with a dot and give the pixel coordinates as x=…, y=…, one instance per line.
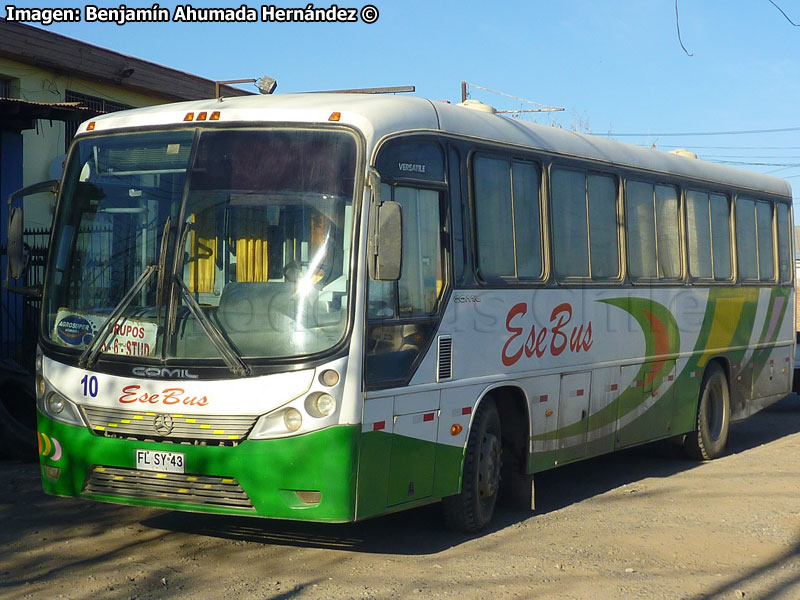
x=90, y=385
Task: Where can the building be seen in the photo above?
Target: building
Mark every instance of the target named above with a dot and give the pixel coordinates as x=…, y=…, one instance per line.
x=49, y=83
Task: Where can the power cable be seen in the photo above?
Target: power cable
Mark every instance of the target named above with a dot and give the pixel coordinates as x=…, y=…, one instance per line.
x=703, y=133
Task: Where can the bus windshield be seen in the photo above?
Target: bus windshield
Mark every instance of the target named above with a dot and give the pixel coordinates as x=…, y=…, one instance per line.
x=247, y=233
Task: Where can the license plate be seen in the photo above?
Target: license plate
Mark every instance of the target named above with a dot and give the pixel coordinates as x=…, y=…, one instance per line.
x=163, y=462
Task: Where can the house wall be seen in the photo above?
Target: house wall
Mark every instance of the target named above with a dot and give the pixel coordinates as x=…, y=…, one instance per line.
x=45, y=143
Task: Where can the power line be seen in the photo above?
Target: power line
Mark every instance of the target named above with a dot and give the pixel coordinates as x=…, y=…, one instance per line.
x=729, y=147
x=703, y=133
x=678, y=26
x=755, y=164
x=778, y=170
x=783, y=13
x=750, y=156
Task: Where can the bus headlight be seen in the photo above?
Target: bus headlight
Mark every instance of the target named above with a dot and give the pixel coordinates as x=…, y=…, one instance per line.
x=58, y=408
x=55, y=404
x=320, y=404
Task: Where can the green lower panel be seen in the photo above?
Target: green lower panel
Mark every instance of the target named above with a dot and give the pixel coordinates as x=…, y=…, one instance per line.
x=397, y=472
x=254, y=478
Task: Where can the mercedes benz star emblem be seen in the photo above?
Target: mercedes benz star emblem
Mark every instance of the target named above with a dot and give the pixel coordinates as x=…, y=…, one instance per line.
x=163, y=424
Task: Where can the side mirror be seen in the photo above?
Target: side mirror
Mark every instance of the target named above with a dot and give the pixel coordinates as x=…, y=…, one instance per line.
x=388, y=258
x=18, y=261
x=385, y=247
x=18, y=254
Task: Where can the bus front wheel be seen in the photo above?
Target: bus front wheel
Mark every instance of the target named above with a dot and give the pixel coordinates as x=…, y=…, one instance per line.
x=713, y=416
x=472, y=509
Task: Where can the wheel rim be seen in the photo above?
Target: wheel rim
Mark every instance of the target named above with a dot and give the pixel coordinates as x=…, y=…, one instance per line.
x=489, y=466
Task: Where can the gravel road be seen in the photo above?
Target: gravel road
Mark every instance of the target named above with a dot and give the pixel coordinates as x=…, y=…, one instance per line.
x=645, y=523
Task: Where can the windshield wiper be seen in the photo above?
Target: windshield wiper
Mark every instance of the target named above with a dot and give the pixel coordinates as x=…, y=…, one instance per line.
x=162, y=262
x=89, y=356
x=223, y=346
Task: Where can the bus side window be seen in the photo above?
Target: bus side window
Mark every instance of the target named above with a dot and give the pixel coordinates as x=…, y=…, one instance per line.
x=584, y=207
x=784, y=245
x=651, y=212
x=708, y=224
x=746, y=239
x=755, y=251
x=766, y=251
x=457, y=217
x=507, y=224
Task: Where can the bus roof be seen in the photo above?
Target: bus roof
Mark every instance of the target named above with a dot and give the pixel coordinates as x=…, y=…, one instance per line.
x=378, y=116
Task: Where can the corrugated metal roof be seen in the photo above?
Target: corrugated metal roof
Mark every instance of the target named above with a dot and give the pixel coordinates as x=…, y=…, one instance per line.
x=69, y=105
x=18, y=115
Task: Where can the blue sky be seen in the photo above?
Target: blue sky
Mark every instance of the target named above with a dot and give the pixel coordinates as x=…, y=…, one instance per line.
x=616, y=66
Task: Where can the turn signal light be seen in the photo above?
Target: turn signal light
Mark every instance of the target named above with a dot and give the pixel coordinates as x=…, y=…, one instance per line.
x=456, y=429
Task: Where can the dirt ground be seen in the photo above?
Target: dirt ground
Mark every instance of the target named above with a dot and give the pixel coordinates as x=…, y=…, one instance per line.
x=644, y=523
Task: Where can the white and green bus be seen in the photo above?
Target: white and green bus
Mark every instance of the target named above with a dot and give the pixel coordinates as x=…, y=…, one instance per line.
x=331, y=307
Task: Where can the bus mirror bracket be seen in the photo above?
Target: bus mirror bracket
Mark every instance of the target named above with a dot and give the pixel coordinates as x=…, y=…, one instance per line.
x=18, y=253
x=385, y=252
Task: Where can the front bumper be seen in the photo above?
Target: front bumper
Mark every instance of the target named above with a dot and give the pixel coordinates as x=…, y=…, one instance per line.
x=259, y=478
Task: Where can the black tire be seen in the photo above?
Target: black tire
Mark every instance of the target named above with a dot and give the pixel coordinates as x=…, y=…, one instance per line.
x=17, y=422
x=471, y=510
x=713, y=416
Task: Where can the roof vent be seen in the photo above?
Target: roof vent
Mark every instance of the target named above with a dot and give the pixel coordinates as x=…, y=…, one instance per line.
x=478, y=105
x=683, y=152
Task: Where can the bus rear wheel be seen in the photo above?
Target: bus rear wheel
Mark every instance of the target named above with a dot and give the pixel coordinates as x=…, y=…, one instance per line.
x=713, y=416
x=471, y=510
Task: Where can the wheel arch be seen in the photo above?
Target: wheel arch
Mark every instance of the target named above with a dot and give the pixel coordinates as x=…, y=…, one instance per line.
x=725, y=363
x=515, y=422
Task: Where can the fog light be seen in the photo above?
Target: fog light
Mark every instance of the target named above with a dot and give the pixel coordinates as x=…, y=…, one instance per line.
x=52, y=473
x=309, y=497
x=325, y=404
x=292, y=419
x=55, y=404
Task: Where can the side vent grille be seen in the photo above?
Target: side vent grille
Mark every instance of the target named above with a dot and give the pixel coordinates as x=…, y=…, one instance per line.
x=445, y=370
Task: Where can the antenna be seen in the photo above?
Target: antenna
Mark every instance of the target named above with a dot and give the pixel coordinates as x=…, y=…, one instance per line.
x=375, y=90
x=465, y=95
